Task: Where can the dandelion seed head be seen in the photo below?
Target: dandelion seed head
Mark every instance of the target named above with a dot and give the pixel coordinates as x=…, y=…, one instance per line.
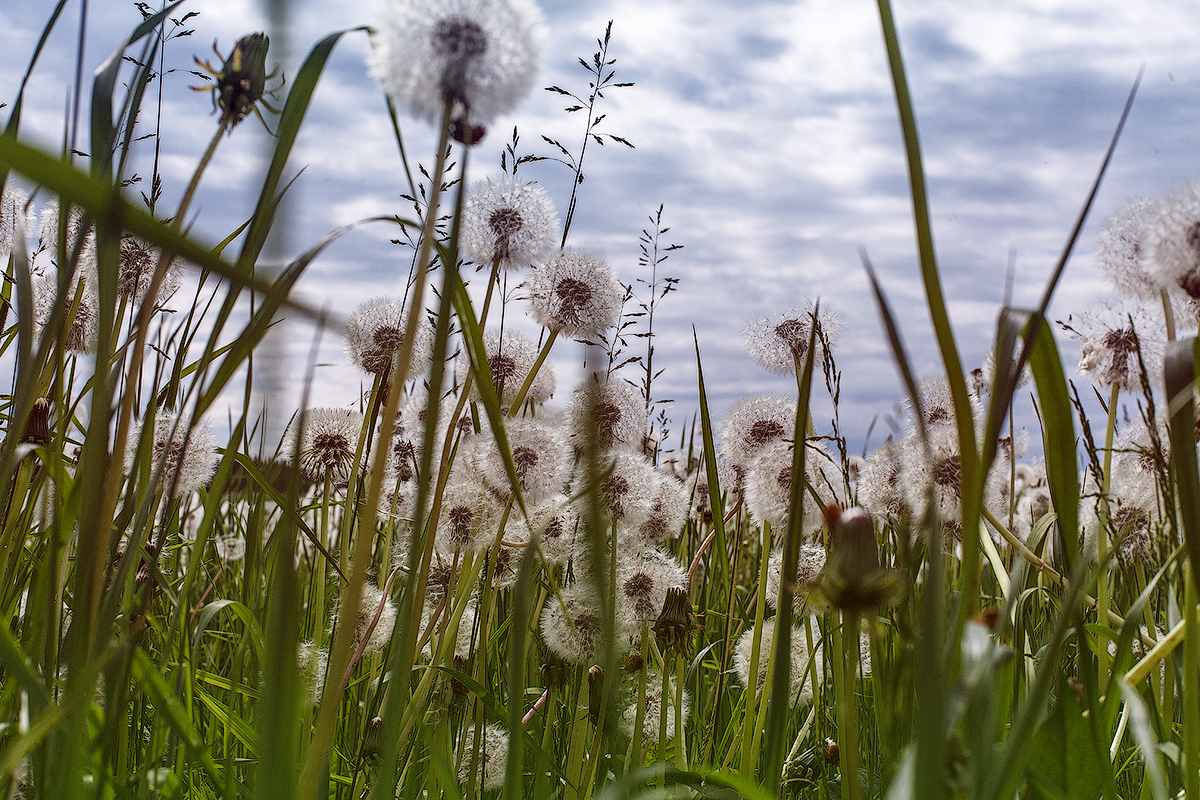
x=14, y=217
x=329, y=443
x=811, y=561
x=653, y=717
x=1112, y=335
x=508, y=222
x=83, y=326
x=779, y=341
x=541, y=456
x=798, y=683
x=482, y=55
x=184, y=469
x=492, y=756
x=372, y=601
x=753, y=423
x=511, y=355
x=610, y=413
x=374, y=336
x=1120, y=256
x=1170, y=241
x=136, y=270
x=571, y=628
x=575, y=294
x=230, y=548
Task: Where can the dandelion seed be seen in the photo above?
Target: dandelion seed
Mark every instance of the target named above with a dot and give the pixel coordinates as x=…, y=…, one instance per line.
x=508, y=222
x=374, y=337
x=753, y=423
x=779, y=342
x=575, y=294
x=184, y=469
x=482, y=54
x=330, y=440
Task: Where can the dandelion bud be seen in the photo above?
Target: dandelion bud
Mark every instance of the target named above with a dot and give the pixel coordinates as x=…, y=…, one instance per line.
x=37, y=428
x=595, y=678
x=242, y=79
x=675, y=622
x=853, y=578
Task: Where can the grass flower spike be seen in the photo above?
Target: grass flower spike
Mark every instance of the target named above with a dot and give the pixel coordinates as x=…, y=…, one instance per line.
x=481, y=55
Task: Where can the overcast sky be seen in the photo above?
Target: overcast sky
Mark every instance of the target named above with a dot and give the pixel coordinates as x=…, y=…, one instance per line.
x=768, y=131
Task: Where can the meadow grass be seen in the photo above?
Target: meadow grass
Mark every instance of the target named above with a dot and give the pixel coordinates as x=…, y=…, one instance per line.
x=441, y=589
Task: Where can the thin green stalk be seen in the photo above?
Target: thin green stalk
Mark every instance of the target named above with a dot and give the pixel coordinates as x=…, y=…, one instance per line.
x=847, y=711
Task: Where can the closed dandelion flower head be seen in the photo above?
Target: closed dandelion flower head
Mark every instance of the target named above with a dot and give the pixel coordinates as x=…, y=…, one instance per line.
x=187, y=452
x=610, y=413
x=1170, y=243
x=511, y=356
x=508, y=222
x=780, y=341
x=480, y=54
x=1113, y=337
x=375, y=334
x=753, y=423
x=575, y=294
x=14, y=218
x=83, y=326
x=329, y=442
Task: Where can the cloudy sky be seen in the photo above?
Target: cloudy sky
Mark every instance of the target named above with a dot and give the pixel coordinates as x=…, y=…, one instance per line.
x=768, y=132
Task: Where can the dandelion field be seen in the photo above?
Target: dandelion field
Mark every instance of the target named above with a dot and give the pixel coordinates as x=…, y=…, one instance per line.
x=442, y=588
